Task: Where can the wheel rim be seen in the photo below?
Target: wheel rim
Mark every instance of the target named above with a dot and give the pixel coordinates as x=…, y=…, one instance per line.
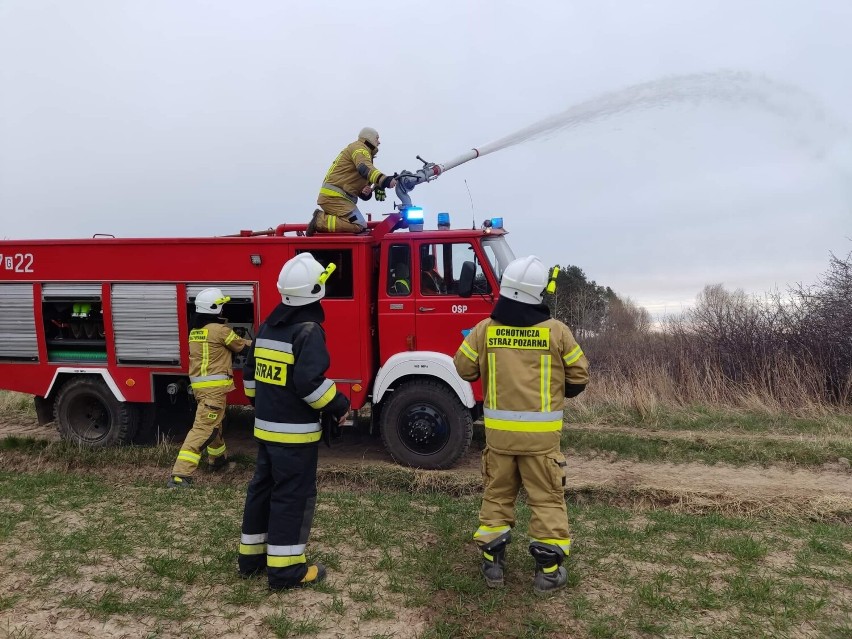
x=423, y=429
x=89, y=419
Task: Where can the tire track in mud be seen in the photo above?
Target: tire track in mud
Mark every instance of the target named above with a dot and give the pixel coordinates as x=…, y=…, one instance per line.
x=823, y=493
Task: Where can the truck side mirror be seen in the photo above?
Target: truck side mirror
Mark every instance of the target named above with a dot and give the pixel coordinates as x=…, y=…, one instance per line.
x=468, y=272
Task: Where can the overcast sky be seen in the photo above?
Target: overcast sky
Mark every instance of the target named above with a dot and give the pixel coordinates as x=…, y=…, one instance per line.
x=176, y=118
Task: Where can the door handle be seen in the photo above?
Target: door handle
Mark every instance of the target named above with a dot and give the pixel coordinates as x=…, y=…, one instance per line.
x=426, y=309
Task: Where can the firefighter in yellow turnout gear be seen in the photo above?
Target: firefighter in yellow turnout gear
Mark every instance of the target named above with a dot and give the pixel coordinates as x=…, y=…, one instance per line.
x=529, y=363
x=351, y=176
x=211, y=343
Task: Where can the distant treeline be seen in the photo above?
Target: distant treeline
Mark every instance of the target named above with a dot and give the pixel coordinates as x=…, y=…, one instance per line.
x=791, y=350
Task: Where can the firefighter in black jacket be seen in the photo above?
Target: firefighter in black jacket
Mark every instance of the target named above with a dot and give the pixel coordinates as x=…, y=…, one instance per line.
x=284, y=376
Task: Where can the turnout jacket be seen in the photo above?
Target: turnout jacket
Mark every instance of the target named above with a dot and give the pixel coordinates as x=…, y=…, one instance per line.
x=529, y=363
x=210, y=347
x=350, y=172
x=284, y=376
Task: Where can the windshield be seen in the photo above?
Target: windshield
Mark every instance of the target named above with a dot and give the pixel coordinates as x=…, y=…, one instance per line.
x=499, y=254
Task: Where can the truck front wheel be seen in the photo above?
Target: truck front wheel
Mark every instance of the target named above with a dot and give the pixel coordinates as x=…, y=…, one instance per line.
x=424, y=425
x=89, y=415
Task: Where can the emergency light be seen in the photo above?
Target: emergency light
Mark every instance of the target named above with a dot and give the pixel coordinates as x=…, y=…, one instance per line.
x=413, y=215
x=497, y=222
x=443, y=221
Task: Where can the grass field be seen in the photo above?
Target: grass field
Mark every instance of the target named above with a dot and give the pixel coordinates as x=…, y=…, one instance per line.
x=92, y=544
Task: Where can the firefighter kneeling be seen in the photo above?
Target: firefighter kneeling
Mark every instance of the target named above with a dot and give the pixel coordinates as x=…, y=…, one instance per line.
x=211, y=343
x=284, y=376
x=529, y=364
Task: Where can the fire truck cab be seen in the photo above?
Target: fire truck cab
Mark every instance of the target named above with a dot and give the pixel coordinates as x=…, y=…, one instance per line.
x=96, y=329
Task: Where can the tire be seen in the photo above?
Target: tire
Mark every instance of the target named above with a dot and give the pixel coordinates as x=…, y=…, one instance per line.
x=424, y=425
x=89, y=415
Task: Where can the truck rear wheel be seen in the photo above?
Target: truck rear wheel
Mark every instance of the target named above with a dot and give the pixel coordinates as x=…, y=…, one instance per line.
x=424, y=425
x=89, y=415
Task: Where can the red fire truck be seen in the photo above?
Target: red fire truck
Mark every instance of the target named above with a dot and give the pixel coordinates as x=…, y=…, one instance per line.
x=96, y=328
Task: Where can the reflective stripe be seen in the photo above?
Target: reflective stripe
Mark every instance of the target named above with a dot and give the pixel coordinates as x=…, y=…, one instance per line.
x=575, y=354
x=287, y=433
x=248, y=383
x=212, y=381
x=374, y=176
x=322, y=395
x=216, y=452
x=283, y=562
x=205, y=358
x=483, y=531
x=274, y=344
x=250, y=392
x=468, y=351
x=252, y=549
x=283, y=427
x=287, y=438
x=225, y=382
x=231, y=336
x=258, y=538
x=331, y=221
x=335, y=191
x=545, y=384
x=189, y=456
x=286, y=550
x=549, y=569
x=492, y=380
x=358, y=152
x=523, y=421
x=564, y=544
x=523, y=416
x=208, y=378
x=274, y=355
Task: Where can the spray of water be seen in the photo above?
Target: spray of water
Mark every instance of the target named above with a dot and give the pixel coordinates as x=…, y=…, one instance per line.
x=808, y=122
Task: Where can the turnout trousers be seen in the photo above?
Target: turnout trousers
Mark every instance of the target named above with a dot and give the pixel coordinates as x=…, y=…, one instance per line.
x=206, y=432
x=339, y=217
x=279, y=512
x=543, y=478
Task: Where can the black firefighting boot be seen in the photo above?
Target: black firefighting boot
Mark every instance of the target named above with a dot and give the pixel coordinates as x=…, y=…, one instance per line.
x=217, y=464
x=494, y=560
x=315, y=574
x=550, y=574
x=312, y=225
x=179, y=482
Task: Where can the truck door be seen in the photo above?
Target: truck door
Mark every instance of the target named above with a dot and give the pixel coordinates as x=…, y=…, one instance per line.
x=396, y=301
x=441, y=315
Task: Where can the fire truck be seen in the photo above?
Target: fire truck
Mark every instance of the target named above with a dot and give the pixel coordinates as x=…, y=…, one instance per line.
x=96, y=329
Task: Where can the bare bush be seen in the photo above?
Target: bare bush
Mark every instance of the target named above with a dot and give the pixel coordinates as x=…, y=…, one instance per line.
x=773, y=353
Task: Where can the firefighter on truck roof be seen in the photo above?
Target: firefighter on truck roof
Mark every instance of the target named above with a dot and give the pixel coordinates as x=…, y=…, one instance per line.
x=285, y=380
x=211, y=342
x=529, y=363
x=351, y=176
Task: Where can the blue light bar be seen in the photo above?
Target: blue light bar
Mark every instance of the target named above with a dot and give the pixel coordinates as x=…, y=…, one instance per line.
x=443, y=221
x=497, y=222
x=413, y=214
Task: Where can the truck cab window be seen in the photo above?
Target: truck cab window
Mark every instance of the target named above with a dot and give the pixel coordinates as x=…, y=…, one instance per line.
x=399, y=270
x=341, y=284
x=440, y=268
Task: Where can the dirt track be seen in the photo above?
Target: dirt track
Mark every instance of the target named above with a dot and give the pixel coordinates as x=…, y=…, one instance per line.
x=692, y=486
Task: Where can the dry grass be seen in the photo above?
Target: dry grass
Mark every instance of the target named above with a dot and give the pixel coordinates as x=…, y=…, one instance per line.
x=16, y=403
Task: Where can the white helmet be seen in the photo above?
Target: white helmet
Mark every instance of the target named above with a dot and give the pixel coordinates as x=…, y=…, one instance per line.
x=302, y=280
x=524, y=280
x=210, y=301
x=369, y=134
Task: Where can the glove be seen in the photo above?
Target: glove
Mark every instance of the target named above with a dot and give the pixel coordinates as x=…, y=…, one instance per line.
x=380, y=195
x=330, y=428
x=572, y=390
x=388, y=183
